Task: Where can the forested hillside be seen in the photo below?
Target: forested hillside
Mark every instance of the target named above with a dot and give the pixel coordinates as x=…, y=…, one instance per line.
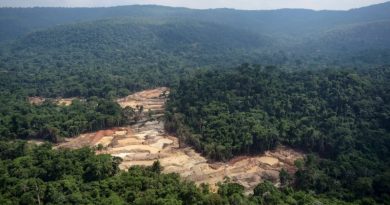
x=40, y=175
x=326, y=93
x=360, y=43
x=22, y=120
x=112, y=57
x=17, y=22
x=179, y=37
x=341, y=115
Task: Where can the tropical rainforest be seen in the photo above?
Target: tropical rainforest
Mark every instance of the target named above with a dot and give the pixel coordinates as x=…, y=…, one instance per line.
x=33, y=174
x=242, y=82
x=342, y=116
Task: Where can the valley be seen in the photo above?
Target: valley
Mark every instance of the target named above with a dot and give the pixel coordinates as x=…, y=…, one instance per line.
x=155, y=105
x=146, y=141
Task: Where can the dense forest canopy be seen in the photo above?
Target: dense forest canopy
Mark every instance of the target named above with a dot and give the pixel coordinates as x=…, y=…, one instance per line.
x=285, y=22
x=327, y=93
x=49, y=121
x=342, y=115
x=280, y=102
x=113, y=51
x=40, y=175
x=115, y=56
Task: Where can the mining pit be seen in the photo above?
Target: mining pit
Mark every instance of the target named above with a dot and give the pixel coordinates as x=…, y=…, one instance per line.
x=146, y=141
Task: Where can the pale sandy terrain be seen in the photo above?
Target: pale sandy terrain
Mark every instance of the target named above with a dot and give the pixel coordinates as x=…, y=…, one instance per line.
x=64, y=101
x=36, y=100
x=142, y=144
x=58, y=101
x=149, y=99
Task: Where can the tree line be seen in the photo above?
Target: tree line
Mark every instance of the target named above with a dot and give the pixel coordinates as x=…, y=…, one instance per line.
x=19, y=119
x=342, y=116
x=31, y=174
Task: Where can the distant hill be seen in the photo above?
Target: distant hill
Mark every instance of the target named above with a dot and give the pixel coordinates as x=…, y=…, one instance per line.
x=16, y=22
x=359, y=43
x=135, y=47
x=19, y=21
x=133, y=53
x=322, y=87
x=141, y=40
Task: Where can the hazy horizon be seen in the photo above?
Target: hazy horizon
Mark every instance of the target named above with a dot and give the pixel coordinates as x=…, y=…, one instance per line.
x=202, y=4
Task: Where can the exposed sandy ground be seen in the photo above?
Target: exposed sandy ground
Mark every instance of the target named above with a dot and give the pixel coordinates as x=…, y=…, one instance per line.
x=64, y=101
x=142, y=144
x=58, y=101
x=149, y=99
x=36, y=100
x=36, y=141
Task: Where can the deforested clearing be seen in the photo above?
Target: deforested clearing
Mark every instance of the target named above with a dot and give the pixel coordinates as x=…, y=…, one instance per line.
x=146, y=142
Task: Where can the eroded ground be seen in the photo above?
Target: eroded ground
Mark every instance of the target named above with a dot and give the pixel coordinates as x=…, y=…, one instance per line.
x=153, y=99
x=58, y=101
x=145, y=142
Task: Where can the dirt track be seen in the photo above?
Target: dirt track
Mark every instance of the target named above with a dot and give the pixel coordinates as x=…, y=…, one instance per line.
x=143, y=143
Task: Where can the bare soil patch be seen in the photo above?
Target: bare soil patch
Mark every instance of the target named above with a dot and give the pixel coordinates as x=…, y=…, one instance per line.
x=153, y=99
x=144, y=143
x=59, y=101
x=36, y=100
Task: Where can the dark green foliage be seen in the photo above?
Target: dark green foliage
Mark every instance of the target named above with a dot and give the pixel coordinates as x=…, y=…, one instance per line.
x=352, y=43
x=299, y=37
x=342, y=115
x=113, y=57
x=41, y=175
x=283, y=22
x=156, y=167
x=285, y=178
x=20, y=119
x=267, y=194
x=114, y=51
